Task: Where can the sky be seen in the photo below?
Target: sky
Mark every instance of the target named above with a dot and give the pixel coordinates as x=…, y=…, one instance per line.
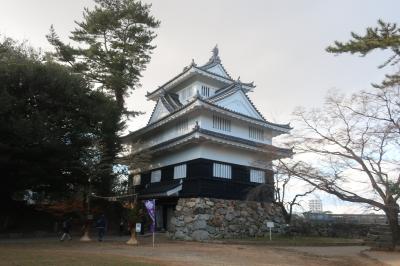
x=280, y=45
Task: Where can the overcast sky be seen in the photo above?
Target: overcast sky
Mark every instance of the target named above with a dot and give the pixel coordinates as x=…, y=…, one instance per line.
x=280, y=45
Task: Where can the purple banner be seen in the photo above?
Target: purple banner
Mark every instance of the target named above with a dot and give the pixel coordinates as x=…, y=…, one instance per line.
x=151, y=210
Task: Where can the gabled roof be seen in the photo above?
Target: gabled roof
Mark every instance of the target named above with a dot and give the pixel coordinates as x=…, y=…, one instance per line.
x=197, y=103
x=169, y=102
x=235, y=99
x=212, y=69
x=214, y=64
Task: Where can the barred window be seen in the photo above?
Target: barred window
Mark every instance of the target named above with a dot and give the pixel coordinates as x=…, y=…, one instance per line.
x=205, y=91
x=257, y=176
x=182, y=125
x=155, y=176
x=222, y=170
x=180, y=171
x=256, y=133
x=221, y=123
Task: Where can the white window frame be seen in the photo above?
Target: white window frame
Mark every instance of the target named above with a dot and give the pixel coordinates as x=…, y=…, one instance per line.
x=256, y=133
x=155, y=176
x=182, y=126
x=180, y=171
x=205, y=91
x=221, y=123
x=257, y=176
x=222, y=170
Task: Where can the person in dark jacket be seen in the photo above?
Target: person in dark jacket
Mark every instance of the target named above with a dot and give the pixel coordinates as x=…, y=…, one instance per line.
x=66, y=227
x=101, y=227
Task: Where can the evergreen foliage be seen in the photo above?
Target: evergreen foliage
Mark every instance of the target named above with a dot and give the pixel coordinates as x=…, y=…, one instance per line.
x=385, y=36
x=50, y=119
x=114, y=45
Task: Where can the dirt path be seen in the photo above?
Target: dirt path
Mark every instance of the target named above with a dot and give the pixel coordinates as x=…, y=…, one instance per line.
x=199, y=254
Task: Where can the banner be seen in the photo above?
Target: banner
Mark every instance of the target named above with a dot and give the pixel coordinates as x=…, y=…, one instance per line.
x=151, y=210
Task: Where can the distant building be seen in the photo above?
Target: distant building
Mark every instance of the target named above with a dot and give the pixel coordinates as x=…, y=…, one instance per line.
x=347, y=218
x=315, y=205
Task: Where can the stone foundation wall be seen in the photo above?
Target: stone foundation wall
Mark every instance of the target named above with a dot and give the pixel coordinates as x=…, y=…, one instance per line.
x=207, y=218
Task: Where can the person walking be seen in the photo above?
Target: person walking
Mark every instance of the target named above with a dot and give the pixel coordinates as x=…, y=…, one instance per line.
x=66, y=227
x=121, y=227
x=101, y=227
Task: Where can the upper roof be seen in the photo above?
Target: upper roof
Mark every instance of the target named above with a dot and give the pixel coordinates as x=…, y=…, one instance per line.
x=213, y=69
x=214, y=64
x=201, y=103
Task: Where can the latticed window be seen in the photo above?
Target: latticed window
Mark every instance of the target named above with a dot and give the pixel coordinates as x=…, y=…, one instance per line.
x=155, y=176
x=257, y=176
x=180, y=171
x=256, y=133
x=221, y=123
x=205, y=91
x=182, y=125
x=222, y=170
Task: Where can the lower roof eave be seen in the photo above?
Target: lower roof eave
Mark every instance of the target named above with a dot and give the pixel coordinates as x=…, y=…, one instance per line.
x=271, y=151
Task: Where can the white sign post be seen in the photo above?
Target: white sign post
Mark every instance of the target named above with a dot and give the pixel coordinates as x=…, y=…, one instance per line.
x=270, y=225
x=138, y=227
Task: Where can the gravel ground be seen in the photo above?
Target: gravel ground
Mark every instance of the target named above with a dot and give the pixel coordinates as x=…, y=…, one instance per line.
x=198, y=254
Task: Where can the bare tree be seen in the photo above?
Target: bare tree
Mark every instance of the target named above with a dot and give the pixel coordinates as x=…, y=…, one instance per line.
x=355, y=145
x=282, y=198
x=283, y=179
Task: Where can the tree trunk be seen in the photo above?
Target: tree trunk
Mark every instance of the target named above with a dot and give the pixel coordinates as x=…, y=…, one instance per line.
x=393, y=220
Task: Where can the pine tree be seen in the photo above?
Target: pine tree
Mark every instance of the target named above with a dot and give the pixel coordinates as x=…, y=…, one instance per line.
x=385, y=36
x=114, y=46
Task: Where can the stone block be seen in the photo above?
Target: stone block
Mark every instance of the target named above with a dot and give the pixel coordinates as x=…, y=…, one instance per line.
x=200, y=235
x=199, y=224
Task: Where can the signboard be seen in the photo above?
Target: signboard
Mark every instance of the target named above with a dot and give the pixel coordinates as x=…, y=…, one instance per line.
x=270, y=224
x=136, y=180
x=138, y=227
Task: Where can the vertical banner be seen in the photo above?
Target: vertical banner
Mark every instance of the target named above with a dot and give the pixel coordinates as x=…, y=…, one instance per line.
x=151, y=210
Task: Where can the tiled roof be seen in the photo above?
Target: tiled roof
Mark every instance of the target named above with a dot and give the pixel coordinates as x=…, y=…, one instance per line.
x=284, y=126
x=288, y=152
x=213, y=61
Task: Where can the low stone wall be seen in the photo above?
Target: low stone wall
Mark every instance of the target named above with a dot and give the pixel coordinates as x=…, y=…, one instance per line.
x=207, y=218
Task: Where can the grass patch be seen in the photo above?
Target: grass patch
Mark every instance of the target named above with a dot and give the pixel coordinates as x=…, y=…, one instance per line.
x=32, y=257
x=280, y=240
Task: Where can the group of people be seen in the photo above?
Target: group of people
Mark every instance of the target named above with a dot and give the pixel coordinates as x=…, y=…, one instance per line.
x=101, y=225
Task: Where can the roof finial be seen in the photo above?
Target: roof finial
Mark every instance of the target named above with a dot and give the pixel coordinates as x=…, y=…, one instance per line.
x=215, y=56
x=193, y=63
x=215, y=51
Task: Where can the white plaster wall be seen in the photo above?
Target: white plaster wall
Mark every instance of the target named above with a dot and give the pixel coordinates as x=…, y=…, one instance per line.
x=194, y=88
x=169, y=132
x=239, y=129
x=212, y=152
x=177, y=156
x=233, y=155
